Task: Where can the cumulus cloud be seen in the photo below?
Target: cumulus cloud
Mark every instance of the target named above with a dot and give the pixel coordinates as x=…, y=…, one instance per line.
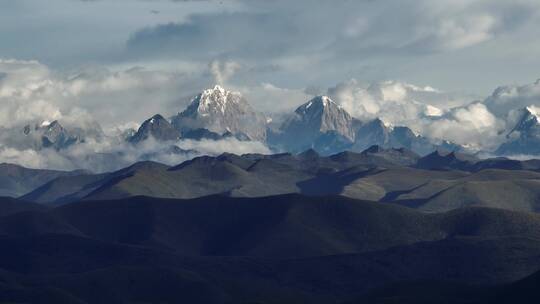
x=506, y=98
x=28, y=92
x=271, y=99
x=395, y=102
x=473, y=126
x=426, y=110
x=32, y=92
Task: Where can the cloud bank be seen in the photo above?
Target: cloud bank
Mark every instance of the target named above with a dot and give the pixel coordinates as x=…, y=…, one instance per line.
x=31, y=92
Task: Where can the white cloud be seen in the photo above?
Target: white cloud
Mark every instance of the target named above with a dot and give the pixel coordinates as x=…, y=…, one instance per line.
x=506, y=98
x=111, y=154
x=473, y=126
x=271, y=99
x=426, y=110
x=30, y=91
x=394, y=102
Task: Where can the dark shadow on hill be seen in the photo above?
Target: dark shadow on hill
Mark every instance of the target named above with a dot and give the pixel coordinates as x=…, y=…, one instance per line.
x=335, y=183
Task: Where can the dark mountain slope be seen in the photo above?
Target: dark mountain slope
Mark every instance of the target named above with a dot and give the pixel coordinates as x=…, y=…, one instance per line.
x=248, y=175
x=447, y=182
x=17, y=180
x=93, y=271
x=67, y=189
x=34, y=223
x=524, y=291
x=282, y=226
x=10, y=206
x=283, y=249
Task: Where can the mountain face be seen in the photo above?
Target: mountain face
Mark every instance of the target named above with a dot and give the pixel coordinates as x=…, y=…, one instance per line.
x=17, y=180
x=220, y=111
x=324, y=126
x=372, y=133
x=438, y=182
x=441, y=160
x=320, y=124
x=322, y=115
x=54, y=135
x=50, y=135
x=158, y=128
x=524, y=137
x=376, y=132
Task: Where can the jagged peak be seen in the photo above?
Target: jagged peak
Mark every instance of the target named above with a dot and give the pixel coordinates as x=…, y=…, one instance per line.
x=529, y=117
x=325, y=100
x=216, y=97
x=54, y=125
x=45, y=123
x=218, y=88
x=532, y=110
x=451, y=155
x=156, y=118
x=318, y=103
x=376, y=123
x=439, y=153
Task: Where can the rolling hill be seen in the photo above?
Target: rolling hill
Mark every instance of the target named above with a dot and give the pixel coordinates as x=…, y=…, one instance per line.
x=281, y=249
x=395, y=176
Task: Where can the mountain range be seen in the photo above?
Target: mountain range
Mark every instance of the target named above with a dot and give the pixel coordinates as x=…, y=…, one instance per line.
x=440, y=181
x=319, y=124
x=282, y=228
x=344, y=211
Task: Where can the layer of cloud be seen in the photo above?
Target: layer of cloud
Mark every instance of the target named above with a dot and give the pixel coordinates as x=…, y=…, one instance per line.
x=506, y=98
x=472, y=126
x=395, y=102
x=32, y=92
x=464, y=44
x=111, y=154
x=431, y=112
x=315, y=43
x=278, y=28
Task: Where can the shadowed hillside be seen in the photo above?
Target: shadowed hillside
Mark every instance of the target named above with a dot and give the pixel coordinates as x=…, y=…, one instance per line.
x=280, y=249
x=435, y=183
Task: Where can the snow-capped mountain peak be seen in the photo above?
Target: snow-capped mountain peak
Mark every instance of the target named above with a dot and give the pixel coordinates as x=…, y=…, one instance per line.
x=534, y=111
x=219, y=110
x=45, y=123
x=317, y=104
x=524, y=137
x=317, y=123
x=527, y=118
x=216, y=98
